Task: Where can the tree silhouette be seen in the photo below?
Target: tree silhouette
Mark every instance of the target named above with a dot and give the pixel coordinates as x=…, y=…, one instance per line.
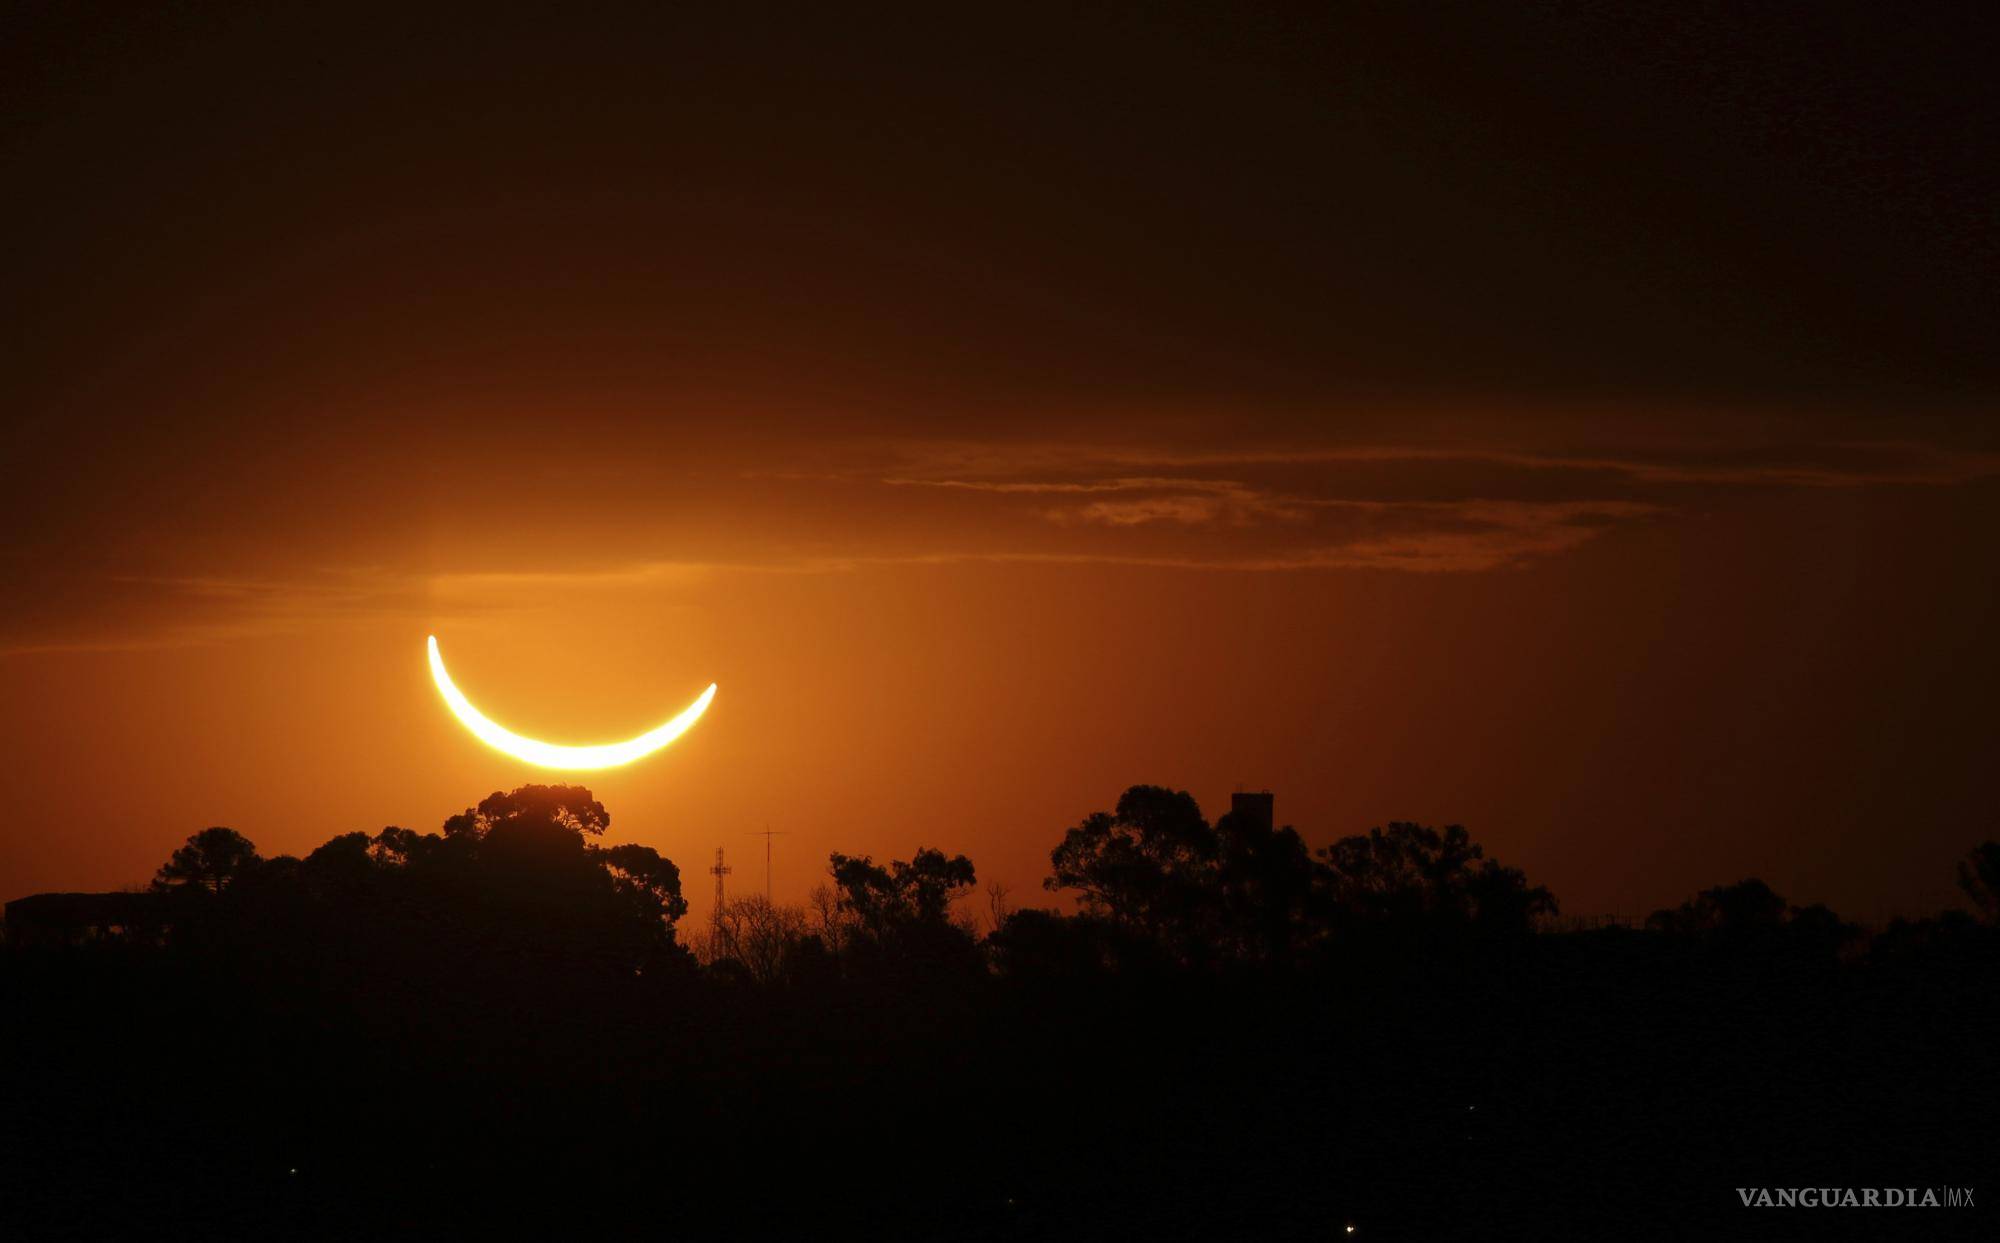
x=1979, y=877
x=1265, y=880
x=520, y=872
x=897, y=919
x=513, y=991
x=642, y=874
x=397, y=847
x=533, y=806
x=1244, y=891
x=764, y=938
x=918, y=893
x=1411, y=875
x=1046, y=947
x=1748, y=919
x=349, y=854
x=1149, y=864
x=212, y=859
x=1746, y=907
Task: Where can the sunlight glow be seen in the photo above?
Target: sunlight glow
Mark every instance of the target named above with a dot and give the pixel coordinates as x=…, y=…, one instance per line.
x=555, y=755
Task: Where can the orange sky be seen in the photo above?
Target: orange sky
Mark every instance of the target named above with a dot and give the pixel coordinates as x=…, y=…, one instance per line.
x=1386, y=429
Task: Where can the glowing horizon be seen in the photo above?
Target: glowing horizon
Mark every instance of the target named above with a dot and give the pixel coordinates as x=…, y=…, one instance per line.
x=557, y=755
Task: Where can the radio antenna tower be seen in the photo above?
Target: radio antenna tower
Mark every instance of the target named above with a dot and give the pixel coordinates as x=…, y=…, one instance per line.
x=719, y=871
x=767, y=833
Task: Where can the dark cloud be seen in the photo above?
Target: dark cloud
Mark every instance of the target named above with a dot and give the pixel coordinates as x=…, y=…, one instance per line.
x=1397, y=508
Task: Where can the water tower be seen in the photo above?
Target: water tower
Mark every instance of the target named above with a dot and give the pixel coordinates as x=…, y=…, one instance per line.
x=1252, y=807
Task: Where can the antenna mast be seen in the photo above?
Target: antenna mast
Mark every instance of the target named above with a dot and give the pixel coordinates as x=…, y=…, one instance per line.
x=719, y=871
x=767, y=833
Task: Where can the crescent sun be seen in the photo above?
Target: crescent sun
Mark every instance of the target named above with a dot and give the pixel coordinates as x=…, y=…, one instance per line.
x=555, y=755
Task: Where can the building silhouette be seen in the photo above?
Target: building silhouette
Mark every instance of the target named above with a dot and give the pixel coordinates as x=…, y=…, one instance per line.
x=1253, y=807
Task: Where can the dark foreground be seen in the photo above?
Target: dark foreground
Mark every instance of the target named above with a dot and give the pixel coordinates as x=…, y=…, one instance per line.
x=442, y=1042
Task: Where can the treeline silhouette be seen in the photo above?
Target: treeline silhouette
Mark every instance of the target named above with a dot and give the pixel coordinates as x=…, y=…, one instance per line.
x=509, y=1025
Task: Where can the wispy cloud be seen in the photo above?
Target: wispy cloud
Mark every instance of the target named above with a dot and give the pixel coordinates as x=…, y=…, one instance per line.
x=1044, y=487
x=1230, y=504
x=1185, y=501
x=992, y=466
x=1273, y=509
x=1425, y=537
x=137, y=612
x=1455, y=508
